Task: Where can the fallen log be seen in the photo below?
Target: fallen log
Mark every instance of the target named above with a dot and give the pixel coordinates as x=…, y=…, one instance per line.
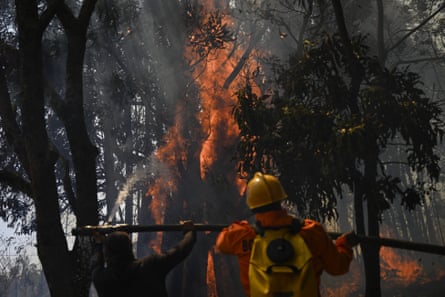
x=363, y=239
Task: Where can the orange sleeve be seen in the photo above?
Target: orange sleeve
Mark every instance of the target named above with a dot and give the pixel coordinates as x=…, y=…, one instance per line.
x=334, y=258
x=236, y=239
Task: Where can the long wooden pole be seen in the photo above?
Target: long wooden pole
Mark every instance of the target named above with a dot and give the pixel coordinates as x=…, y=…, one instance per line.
x=389, y=242
x=105, y=229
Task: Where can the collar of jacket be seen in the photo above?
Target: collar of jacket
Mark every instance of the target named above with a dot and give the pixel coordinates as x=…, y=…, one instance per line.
x=274, y=218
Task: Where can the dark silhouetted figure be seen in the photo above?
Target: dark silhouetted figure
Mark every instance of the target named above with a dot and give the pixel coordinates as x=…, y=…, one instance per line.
x=120, y=274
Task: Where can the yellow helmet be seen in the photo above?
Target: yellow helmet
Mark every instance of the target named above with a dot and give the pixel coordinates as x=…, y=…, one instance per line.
x=264, y=189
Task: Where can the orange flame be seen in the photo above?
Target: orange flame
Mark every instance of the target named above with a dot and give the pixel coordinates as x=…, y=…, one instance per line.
x=402, y=268
x=216, y=99
x=211, y=278
x=221, y=130
x=158, y=193
x=398, y=269
x=170, y=154
x=154, y=244
x=216, y=119
x=216, y=123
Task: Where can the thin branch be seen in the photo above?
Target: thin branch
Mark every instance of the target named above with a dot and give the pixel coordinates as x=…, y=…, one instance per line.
x=356, y=70
x=421, y=60
x=243, y=59
x=55, y=100
x=394, y=163
x=416, y=28
x=380, y=39
x=16, y=182
x=8, y=120
x=66, y=16
x=7, y=113
x=86, y=11
x=49, y=13
x=68, y=186
x=343, y=31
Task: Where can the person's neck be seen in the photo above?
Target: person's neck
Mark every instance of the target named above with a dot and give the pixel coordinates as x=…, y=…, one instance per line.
x=272, y=217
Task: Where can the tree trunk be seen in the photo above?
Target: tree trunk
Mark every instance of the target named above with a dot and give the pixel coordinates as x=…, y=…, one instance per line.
x=380, y=34
x=358, y=207
x=67, y=273
x=371, y=255
x=51, y=244
x=83, y=152
x=371, y=250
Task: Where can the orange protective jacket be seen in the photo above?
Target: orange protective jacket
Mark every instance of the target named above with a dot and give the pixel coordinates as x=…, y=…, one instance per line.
x=237, y=239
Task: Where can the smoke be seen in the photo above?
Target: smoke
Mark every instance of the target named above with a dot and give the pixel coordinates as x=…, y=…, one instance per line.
x=152, y=167
x=123, y=194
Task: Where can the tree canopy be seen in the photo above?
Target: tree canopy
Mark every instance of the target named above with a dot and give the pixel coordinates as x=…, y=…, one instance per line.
x=310, y=131
x=111, y=107
x=325, y=141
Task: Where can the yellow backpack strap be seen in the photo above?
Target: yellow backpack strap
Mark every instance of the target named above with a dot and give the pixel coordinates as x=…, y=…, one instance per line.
x=294, y=227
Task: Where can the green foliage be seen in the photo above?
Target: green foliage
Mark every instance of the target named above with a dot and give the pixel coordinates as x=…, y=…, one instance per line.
x=317, y=133
x=19, y=276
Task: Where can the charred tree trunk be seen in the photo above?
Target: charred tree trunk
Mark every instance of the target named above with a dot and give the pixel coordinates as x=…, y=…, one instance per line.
x=371, y=250
x=358, y=207
x=189, y=277
x=144, y=217
x=380, y=33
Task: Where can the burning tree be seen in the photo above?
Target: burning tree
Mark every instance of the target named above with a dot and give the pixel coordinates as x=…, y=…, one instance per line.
x=196, y=53
x=53, y=169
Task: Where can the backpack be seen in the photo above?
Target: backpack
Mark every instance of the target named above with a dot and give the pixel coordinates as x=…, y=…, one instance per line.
x=280, y=263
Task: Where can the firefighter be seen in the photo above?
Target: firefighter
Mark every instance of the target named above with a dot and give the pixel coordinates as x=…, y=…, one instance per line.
x=264, y=195
x=120, y=274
